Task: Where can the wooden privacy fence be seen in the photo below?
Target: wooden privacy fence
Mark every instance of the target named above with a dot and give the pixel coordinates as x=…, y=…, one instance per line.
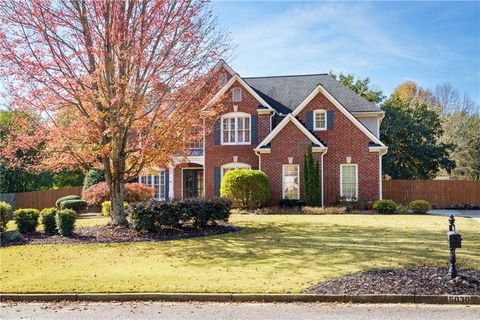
x=440, y=193
x=43, y=199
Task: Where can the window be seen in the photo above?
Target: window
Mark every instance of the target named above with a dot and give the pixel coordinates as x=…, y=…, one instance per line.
x=223, y=79
x=157, y=181
x=234, y=166
x=196, y=145
x=236, y=129
x=291, y=186
x=320, y=120
x=236, y=95
x=349, y=181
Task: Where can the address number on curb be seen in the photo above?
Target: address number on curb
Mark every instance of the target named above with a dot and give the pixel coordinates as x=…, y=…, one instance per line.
x=459, y=299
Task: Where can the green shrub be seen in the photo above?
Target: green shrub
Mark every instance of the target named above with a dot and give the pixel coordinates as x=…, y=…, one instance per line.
x=106, y=205
x=402, y=209
x=75, y=204
x=420, y=206
x=385, y=206
x=4, y=214
x=26, y=219
x=48, y=217
x=66, y=221
x=291, y=203
x=92, y=177
x=246, y=188
x=152, y=215
x=71, y=197
x=10, y=236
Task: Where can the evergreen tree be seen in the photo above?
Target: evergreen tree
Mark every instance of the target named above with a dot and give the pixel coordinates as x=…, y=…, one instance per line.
x=311, y=179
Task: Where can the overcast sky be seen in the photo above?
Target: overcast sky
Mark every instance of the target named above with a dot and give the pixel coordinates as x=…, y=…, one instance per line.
x=389, y=42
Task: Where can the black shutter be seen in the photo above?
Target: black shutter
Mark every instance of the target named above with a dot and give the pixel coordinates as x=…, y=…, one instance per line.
x=216, y=131
x=217, y=177
x=329, y=120
x=310, y=120
x=254, y=127
x=167, y=183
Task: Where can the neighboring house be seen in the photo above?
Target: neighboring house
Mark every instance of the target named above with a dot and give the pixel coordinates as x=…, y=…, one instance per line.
x=268, y=123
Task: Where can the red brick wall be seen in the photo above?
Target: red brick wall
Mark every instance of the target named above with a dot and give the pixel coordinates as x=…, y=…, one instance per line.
x=289, y=142
x=218, y=155
x=345, y=139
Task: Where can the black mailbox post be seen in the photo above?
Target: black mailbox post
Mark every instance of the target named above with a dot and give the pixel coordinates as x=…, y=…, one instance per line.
x=454, y=242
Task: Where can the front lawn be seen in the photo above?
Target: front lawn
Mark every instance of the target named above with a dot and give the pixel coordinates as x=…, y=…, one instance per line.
x=274, y=253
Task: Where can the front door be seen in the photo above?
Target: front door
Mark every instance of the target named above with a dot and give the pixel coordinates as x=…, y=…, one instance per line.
x=192, y=183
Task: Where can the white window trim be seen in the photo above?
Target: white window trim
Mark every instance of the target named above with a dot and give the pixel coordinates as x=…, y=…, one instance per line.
x=236, y=115
x=283, y=179
x=159, y=171
x=356, y=178
x=239, y=90
x=235, y=165
x=318, y=111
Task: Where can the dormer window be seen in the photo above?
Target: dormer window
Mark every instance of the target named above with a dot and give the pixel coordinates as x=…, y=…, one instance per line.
x=320, y=120
x=236, y=95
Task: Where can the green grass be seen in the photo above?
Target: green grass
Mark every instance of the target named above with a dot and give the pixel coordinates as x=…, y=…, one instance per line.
x=274, y=253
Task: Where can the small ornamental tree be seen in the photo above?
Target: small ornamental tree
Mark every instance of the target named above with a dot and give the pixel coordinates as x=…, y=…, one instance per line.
x=311, y=179
x=115, y=85
x=92, y=177
x=246, y=188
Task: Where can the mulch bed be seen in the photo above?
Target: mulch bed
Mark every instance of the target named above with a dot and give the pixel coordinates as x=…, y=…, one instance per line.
x=109, y=234
x=421, y=280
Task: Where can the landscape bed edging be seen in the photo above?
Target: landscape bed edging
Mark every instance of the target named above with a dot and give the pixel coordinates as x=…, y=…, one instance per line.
x=245, y=297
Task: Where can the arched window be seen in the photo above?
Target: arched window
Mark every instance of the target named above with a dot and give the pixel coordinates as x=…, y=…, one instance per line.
x=234, y=166
x=236, y=128
x=320, y=119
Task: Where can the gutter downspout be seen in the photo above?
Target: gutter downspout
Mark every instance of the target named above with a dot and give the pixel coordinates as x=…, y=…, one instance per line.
x=259, y=159
x=380, y=176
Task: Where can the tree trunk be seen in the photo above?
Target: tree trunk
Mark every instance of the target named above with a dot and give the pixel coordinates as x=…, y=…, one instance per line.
x=117, y=211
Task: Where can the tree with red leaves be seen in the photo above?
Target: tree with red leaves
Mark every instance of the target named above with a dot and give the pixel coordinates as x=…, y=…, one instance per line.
x=118, y=84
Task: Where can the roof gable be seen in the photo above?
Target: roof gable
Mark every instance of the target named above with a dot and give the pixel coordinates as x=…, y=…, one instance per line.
x=281, y=125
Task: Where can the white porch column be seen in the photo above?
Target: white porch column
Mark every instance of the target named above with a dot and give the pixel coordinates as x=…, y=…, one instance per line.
x=170, y=182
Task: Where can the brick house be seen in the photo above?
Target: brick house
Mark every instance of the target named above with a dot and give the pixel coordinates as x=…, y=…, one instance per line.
x=267, y=124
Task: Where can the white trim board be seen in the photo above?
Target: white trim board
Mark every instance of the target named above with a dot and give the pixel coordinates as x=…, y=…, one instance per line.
x=227, y=86
x=279, y=128
x=336, y=103
x=222, y=63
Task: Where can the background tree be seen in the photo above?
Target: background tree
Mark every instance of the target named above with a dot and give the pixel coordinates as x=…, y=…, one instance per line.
x=362, y=87
x=412, y=130
x=311, y=179
x=119, y=84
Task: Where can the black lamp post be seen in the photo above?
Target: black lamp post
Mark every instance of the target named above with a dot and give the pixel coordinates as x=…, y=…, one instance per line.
x=454, y=242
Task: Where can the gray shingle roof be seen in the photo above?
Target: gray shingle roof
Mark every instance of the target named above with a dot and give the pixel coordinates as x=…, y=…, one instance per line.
x=285, y=93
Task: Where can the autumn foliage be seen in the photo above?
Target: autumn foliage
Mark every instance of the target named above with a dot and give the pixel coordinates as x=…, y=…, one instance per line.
x=116, y=85
x=134, y=192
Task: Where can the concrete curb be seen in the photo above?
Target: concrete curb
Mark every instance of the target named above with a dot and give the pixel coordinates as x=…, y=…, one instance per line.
x=245, y=297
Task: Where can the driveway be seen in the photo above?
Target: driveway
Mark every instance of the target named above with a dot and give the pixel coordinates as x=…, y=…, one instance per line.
x=250, y=311
x=457, y=213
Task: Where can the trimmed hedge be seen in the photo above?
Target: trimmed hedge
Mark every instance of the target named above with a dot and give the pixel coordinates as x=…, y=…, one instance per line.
x=26, y=219
x=66, y=222
x=75, y=204
x=420, y=206
x=4, y=214
x=49, y=220
x=71, y=197
x=152, y=215
x=245, y=187
x=385, y=206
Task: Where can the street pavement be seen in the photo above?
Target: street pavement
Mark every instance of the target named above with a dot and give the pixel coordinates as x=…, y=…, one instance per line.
x=230, y=311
